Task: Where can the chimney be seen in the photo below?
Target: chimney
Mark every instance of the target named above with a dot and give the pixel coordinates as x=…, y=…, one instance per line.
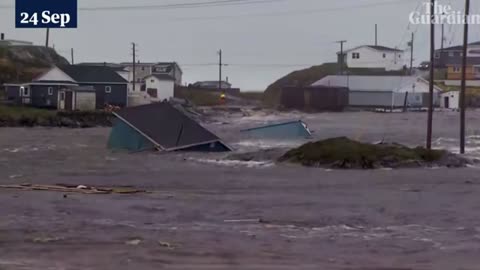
x=2, y=36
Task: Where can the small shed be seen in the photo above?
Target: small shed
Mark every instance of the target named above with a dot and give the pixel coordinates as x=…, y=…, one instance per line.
x=288, y=130
x=450, y=100
x=77, y=98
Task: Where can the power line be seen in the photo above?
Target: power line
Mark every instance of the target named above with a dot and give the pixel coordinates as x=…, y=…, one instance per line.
x=212, y=3
x=298, y=12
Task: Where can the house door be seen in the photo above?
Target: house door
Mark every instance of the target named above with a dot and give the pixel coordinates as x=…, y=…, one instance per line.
x=69, y=101
x=25, y=95
x=61, y=100
x=447, y=102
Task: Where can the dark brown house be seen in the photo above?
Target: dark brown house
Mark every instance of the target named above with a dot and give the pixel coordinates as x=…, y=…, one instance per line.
x=315, y=98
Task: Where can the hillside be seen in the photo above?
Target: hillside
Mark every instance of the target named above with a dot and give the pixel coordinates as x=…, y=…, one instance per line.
x=22, y=63
x=306, y=77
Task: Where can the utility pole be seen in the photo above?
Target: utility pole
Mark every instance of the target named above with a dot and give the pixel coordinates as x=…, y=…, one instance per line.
x=411, y=53
x=432, y=71
x=464, y=77
x=376, y=34
x=220, y=70
x=442, y=44
x=73, y=60
x=342, y=58
x=47, y=37
x=134, y=51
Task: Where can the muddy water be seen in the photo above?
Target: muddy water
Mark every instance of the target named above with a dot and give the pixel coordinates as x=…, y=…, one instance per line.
x=311, y=219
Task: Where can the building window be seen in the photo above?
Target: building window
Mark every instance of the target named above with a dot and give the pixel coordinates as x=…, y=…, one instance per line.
x=62, y=96
x=152, y=81
x=108, y=89
x=50, y=91
x=356, y=55
x=451, y=54
x=143, y=68
x=437, y=55
x=457, y=69
x=384, y=55
x=25, y=92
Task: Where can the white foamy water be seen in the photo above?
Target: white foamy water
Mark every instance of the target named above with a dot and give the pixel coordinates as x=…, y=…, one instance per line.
x=234, y=163
x=472, y=145
x=266, y=144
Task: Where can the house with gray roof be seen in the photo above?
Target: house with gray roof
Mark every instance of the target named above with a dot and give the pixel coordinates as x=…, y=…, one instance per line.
x=383, y=91
x=375, y=57
x=453, y=56
x=62, y=87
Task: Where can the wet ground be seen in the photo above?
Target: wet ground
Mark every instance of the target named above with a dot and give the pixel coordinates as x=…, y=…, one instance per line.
x=207, y=213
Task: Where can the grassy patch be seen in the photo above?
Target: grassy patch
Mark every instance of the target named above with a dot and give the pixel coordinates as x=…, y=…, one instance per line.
x=345, y=153
x=17, y=113
x=18, y=116
x=200, y=98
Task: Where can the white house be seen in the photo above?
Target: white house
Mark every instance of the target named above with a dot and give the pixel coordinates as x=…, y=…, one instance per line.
x=383, y=91
x=370, y=56
x=142, y=70
x=12, y=42
x=160, y=87
x=450, y=100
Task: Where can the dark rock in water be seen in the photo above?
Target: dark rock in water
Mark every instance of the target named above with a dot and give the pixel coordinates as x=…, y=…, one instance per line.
x=343, y=153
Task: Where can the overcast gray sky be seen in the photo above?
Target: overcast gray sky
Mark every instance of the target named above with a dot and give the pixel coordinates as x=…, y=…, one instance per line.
x=260, y=41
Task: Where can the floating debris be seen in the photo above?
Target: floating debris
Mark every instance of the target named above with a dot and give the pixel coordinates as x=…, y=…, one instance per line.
x=75, y=189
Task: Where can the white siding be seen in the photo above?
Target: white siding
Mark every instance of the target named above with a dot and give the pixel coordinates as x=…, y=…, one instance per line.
x=371, y=58
x=165, y=88
x=453, y=100
x=473, y=51
x=55, y=74
x=85, y=101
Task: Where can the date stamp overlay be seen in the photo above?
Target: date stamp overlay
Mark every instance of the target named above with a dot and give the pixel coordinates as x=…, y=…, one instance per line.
x=46, y=13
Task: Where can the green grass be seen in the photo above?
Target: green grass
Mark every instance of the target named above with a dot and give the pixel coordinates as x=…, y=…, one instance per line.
x=17, y=112
x=200, y=98
x=344, y=152
x=14, y=116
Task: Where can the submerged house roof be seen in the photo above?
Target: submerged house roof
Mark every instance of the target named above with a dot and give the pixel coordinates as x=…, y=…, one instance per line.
x=162, y=126
x=287, y=130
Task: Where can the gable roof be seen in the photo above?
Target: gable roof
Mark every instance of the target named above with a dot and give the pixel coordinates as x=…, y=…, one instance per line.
x=374, y=47
x=457, y=47
x=92, y=74
x=371, y=83
x=383, y=48
x=162, y=77
x=167, y=127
